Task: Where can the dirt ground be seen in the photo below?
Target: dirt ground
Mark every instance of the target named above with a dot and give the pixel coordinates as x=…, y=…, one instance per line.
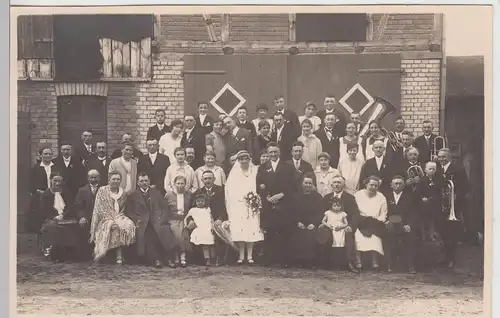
x=96, y=289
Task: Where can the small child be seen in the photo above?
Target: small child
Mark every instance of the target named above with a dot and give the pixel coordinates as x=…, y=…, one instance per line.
x=429, y=190
x=202, y=234
x=220, y=176
x=336, y=220
x=309, y=111
x=180, y=167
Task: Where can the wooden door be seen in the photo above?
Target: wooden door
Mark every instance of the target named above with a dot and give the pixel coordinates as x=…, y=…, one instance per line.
x=79, y=113
x=256, y=78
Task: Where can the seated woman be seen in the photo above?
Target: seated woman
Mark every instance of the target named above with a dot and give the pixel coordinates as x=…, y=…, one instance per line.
x=60, y=232
x=308, y=214
x=110, y=228
x=373, y=215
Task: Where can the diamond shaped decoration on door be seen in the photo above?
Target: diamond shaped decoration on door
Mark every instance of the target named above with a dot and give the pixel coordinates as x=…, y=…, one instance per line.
x=354, y=93
x=228, y=100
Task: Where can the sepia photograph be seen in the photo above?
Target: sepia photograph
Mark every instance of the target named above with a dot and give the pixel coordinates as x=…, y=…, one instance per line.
x=304, y=161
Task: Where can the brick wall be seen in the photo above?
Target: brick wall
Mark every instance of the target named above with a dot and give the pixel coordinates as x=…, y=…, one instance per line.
x=188, y=27
x=420, y=93
x=258, y=27
x=406, y=26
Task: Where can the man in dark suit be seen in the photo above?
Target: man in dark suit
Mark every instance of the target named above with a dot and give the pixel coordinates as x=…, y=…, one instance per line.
x=204, y=121
x=289, y=116
x=425, y=143
x=275, y=184
x=301, y=167
x=100, y=162
x=284, y=135
x=194, y=136
x=155, y=165
x=84, y=206
x=243, y=122
x=158, y=130
x=85, y=150
x=330, y=102
x=237, y=138
x=452, y=230
x=400, y=203
x=381, y=166
x=71, y=169
x=127, y=139
x=351, y=209
x=217, y=203
x=147, y=208
x=330, y=139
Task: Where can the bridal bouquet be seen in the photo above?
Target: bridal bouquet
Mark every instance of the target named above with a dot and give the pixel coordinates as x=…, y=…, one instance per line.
x=253, y=201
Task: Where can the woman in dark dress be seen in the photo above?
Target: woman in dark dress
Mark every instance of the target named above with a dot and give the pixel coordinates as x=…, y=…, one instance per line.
x=261, y=141
x=60, y=230
x=308, y=215
x=39, y=182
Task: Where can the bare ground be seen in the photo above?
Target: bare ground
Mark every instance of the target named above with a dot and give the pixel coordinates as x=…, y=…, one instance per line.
x=96, y=289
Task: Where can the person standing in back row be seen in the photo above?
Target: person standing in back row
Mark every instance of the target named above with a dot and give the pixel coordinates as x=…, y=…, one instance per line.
x=160, y=128
x=289, y=116
x=329, y=104
x=204, y=121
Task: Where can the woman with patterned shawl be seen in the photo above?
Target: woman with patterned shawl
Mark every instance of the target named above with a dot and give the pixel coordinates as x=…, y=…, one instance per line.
x=110, y=228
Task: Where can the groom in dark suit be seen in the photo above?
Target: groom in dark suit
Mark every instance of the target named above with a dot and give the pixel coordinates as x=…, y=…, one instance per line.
x=275, y=184
x=237, y=138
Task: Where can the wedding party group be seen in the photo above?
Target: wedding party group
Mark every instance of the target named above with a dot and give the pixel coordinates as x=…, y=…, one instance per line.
x=321, y=190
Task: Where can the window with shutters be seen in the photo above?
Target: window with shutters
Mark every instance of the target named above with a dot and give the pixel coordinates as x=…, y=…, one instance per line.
x=85, y=47
x=337, y=27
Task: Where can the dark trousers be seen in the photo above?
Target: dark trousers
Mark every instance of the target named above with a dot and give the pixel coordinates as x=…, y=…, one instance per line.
x=450, y=233
x=154, y=248
x=276, y=247
x=399, y=243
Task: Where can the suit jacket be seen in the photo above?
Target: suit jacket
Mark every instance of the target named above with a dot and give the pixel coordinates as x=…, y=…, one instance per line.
x=433, y=192
x=117, y=153
x=103, y=169
x=47, y=210
x=341, y=123
x=38, y=178
x=155, y=133
x=350, y=207
x=242, y=141
x=332, y=147
x=156, y=171
x=207, y=125
x=248, y=126
x=259, y=143
x=287, y=139
x=116, y=165
x=82, y=153
x=84, y=203
x=171, y=198
x=460, y=181
x=304, y=167
x=197, y=140
x=271, y=182
x=217, y=202
x=423, y=149
x=404, y=208
x=150, y=209
x=74, y=174
x=386, y=172
x=292, y=119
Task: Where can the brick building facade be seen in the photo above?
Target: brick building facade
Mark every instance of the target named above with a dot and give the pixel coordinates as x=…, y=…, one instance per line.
x=130, y=104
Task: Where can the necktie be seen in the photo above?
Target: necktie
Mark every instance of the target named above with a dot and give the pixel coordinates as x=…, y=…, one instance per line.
x=94, y=189
x=428, y=140
x=297, y=164
x=103, y=161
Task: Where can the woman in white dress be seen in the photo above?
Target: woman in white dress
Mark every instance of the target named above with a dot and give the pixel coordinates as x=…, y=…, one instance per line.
x=373, y=217
x=244, y=223
x=350, y=168
x=350, y=138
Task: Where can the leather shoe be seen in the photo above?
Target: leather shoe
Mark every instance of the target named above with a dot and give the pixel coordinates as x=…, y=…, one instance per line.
x=353, y=269
x=158, y=264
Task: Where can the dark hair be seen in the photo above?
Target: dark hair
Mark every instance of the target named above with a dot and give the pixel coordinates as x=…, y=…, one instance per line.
x=126, y=144
x=272, y=144
x=263, y=124
x=208, y=171
x=398, y=177
x=242, y=107
x=209, y=153
x=372, y=178
x=298, y=144
x=262, y=106
x=352, y=145
x=427, y=121
x=55, y=174
x=407, y=132
x=65, y=143
x=190, y=115
x=176, y=122
x=143, y=174
x=218, y=120
x=308, y=175
x=330, y=96
x=160, y=111
x=180, y=176
x=201, y=103
x=277, y=114
x=306, y=122
x=309, y=104
x=176, y=150
x=324, y=155
x=374, y=122
x=399, y=118
x=43, y=147
x=86, y=130
x=112, y=173
x=279, y=97
x=201, y=196
x=335, y=200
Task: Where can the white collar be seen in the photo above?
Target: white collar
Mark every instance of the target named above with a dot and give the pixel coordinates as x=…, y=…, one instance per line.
x=202, y=116
x=102, y=158
x=153, y=154
x=68, y=159
x=379, y=159
x=49, y=165
x=275, y=163
x=427, y=137
x=280, y=129
x=235, y=131
x=338, y=195
x=242, y=122
x=397, y=195
x=144, y=191
x=445, y=167
x=160, y=126
x=330, y=169
x=189, y=130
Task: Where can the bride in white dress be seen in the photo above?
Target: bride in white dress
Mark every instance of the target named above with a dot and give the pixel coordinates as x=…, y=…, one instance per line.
x=243, y=223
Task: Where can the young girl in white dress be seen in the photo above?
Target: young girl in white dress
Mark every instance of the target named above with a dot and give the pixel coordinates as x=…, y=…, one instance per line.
x=336, y=220
x=202, y=234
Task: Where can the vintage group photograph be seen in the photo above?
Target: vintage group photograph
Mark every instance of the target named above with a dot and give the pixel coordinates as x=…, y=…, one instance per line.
x=265, y=163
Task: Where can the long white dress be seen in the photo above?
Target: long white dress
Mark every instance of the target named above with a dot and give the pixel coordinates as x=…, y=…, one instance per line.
x=337, y=219
x=202, y=234
x=243, y=223
x=375, y=207
x=351, y=171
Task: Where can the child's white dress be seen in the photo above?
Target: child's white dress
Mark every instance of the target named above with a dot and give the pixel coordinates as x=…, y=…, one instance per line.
x=202, y=234
x=337, y=219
